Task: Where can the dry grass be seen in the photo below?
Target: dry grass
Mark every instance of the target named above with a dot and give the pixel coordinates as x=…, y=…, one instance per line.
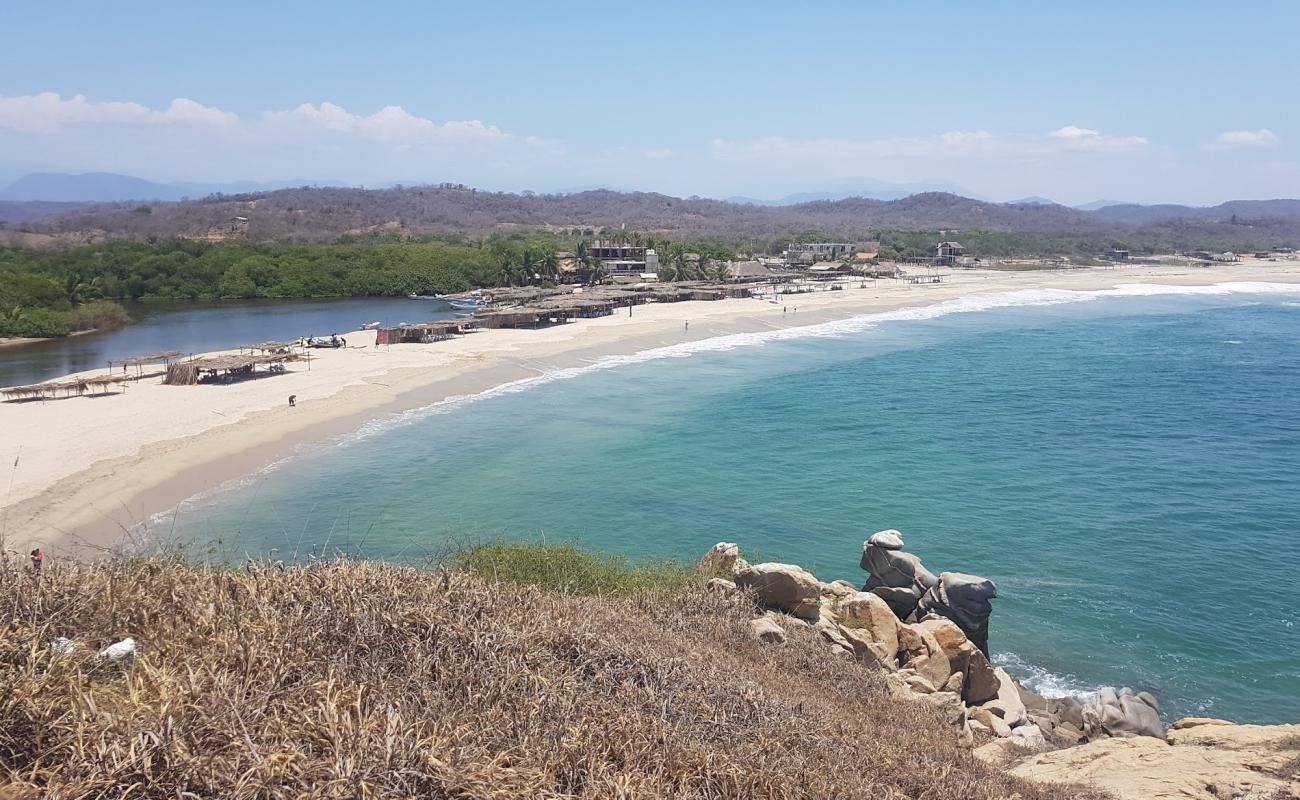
x=362, y=680
x=1291, y=769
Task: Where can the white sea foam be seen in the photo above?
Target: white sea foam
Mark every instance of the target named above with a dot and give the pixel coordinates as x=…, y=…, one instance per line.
x=835, y=329
x=1048, y=684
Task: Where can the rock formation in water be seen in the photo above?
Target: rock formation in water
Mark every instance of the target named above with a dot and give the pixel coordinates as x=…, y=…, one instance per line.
x=964, y=599
x=895, y=575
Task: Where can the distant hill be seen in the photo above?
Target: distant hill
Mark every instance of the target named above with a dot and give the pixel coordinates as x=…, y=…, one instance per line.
x=1098, y=204
x=31, y=211
x=322, y=214
x=1031, y=201
x=108, y=187
x=325, y=214
x=1243, y=210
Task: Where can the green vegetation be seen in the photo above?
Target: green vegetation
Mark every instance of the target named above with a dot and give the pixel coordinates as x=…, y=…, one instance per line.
x=569, y=569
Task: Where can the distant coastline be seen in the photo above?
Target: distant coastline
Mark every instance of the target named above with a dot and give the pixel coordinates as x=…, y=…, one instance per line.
x=89, y=469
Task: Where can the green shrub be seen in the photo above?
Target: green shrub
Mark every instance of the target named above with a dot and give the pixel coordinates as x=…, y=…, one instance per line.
x=570, y=569
x=33, y=323
x=101, y=315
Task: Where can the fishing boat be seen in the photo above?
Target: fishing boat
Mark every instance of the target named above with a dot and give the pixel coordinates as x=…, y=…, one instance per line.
x=369, y=326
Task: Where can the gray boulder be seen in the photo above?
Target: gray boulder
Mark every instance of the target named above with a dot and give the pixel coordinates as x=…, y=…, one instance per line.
x=784, y=587
x=897, y=576
x=964, y=599
x=1122, y=714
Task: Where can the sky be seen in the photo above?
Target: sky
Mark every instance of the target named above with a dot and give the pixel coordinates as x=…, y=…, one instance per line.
x=1144, y=100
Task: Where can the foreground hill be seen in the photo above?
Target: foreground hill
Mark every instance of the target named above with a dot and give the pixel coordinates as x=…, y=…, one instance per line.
x=367, y=680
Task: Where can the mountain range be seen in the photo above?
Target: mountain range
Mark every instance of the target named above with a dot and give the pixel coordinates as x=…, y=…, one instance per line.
x=322, y=214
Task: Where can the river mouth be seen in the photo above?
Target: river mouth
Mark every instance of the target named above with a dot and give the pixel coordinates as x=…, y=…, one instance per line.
x=200, y=327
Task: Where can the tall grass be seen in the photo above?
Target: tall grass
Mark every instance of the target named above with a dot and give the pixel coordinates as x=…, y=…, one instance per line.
x=569, y=569
x=350, y=679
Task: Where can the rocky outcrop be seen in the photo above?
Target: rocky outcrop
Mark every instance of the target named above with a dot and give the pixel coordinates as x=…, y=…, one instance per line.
x=929, y=635
x=898, y=577
x=1207, y=760
x=724, y=558
x=1122, y=713
x=964, y=599
x=784, y=587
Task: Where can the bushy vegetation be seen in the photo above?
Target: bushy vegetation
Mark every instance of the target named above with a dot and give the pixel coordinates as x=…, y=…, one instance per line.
x=98, y=315
x=570, y=569
x=362, y=680
x=33, y=323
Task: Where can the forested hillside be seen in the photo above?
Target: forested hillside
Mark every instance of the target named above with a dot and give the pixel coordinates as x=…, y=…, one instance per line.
x=321, y=215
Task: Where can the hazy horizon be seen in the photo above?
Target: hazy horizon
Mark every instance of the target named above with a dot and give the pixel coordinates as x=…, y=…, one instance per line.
x=760, y=100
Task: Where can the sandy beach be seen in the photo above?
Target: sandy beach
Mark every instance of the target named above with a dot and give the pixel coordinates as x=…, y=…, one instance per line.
x=84, y=470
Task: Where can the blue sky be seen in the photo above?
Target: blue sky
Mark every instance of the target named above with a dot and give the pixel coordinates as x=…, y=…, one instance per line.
x=1149, y=101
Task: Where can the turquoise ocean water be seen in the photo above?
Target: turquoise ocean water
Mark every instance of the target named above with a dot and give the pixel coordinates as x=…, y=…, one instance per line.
x=1124, y=464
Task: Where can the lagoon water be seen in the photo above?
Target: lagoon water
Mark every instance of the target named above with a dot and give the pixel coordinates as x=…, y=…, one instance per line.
x=1124, y=464
x=199, y=327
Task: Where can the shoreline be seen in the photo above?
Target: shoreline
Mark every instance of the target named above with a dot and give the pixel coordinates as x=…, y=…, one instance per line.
x=90, y=469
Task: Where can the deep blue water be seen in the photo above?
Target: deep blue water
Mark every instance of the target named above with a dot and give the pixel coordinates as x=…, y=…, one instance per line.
x=1126, y=469
x=204, y=327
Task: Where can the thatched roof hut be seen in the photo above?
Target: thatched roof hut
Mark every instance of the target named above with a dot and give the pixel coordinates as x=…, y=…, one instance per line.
x=424, y=332
x=234, y=367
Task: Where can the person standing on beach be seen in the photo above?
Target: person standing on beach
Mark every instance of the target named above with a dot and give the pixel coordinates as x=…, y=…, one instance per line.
x=688, y=326
x=293, y=400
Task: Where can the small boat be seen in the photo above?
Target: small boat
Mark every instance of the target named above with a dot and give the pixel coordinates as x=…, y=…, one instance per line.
x=414, y=296
x=463, y=305
x=369, y=326
x=463, y=313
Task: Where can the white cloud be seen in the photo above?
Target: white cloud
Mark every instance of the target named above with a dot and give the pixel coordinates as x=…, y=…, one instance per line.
x=1087, y=140
x=50, y=113
x=392, y=124
x=1238, y=140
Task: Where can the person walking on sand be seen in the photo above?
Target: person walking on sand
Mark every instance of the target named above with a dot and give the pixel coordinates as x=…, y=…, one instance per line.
x=293, y=400
x=38, y=560
x=688, y=326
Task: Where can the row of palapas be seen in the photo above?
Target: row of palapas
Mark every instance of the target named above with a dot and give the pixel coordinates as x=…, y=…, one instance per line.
x=929, y=634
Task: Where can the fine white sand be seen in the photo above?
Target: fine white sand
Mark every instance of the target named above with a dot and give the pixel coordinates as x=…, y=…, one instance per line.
x=90, y=468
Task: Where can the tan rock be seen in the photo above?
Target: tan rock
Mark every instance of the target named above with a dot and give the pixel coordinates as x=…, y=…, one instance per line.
x=982, y=682
x=918, y=684
x=767, y=631
x=832, y=633
x=1194, y=722
x=920, y=651
x=954, y=684
x=991, y=721
x=1007, y=704
x=1203, y=762
x=870, y=613
x=720, y=585
x=784, y=587
x=864, y=646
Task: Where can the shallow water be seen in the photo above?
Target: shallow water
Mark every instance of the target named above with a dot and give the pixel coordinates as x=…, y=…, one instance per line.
x=205, y=327
x=1123, y=464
